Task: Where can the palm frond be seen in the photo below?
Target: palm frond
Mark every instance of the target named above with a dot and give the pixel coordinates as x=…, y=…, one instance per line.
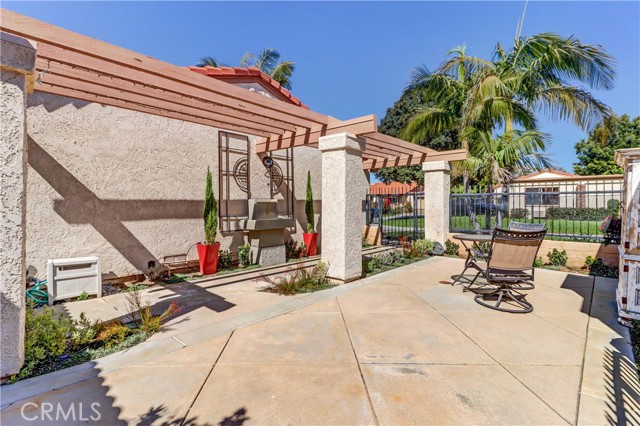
x=247, y=60
x=572, y=103
x=208, y=61
x=282, y=73
x=267, y=60
x=427, y=123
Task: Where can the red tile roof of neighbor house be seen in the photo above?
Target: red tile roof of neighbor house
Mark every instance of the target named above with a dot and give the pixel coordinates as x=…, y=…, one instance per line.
x=381, y=188
x=239, y=74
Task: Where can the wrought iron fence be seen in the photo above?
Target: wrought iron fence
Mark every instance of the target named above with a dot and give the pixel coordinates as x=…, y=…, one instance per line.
x=398, y=213
x=584, y=211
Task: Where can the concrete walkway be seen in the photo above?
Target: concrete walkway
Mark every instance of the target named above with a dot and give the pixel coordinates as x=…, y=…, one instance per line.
x=402, y=347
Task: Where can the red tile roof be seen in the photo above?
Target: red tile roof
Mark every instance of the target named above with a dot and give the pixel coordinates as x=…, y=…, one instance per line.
x=381, y=188
x=239, y=74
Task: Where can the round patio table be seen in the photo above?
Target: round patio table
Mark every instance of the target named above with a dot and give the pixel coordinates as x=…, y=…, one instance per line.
x=471, y=243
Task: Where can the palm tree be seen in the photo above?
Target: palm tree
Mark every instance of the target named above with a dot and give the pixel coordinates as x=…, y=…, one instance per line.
x=268, y=61
x=478, y=98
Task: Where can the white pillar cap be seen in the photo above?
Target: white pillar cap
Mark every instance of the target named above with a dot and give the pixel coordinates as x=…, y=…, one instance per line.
x=436, y=166
x=341, y=142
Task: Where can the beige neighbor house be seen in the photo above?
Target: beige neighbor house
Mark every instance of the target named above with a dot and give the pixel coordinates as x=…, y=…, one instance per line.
x=537, y=192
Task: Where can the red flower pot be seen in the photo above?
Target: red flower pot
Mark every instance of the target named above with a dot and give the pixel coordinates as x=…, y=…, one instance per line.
x=311, y=241
x=208, y=257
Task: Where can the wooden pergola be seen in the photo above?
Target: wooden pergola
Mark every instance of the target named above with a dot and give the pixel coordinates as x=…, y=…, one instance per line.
x=77, y=66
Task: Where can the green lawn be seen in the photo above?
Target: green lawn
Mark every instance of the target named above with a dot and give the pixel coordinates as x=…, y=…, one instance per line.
x=556, y=226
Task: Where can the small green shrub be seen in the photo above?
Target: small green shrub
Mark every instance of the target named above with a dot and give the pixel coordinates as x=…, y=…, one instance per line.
x=83, y=296
x=244, y=254
x=571, y=213
x=557, y=258
x=302, y=281
x=225, y=259
x=538, y=263
x=294, y=250
x=418, y=248
x=112, y=333
x=519, y=214
x=598, y=268
x=451, y=248
x=136, y=287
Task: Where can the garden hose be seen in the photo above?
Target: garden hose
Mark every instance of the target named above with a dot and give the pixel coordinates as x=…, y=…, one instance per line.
x=38, y=295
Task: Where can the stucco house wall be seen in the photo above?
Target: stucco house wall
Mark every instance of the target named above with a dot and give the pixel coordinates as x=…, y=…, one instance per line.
x=128, y=186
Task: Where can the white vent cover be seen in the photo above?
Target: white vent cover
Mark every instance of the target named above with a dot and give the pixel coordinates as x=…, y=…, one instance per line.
x=67, y=278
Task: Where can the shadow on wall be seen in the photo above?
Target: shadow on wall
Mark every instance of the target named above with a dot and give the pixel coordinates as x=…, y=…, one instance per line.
x=81, y=206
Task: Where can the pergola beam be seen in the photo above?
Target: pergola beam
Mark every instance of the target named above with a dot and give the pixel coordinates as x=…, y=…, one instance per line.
x=73, y=82
x=356, y=126
x=453, y=155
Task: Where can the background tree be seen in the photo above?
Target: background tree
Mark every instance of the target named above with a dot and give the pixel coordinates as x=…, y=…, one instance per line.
x=395, y=120
x=596, y=153
x=268, y=60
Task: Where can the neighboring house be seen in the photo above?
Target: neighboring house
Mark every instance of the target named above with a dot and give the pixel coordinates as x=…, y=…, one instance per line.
x=396, y=194
x=537, y=192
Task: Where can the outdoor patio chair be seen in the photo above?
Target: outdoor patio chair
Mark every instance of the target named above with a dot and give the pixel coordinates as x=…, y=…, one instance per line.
x=522, y=226
x=508, y=269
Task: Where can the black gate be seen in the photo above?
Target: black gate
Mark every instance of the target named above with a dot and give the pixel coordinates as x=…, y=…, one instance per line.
x=398, y=213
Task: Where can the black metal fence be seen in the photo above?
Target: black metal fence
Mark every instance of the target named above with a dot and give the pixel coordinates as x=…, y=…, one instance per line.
x=584, y=211
x=399, y=213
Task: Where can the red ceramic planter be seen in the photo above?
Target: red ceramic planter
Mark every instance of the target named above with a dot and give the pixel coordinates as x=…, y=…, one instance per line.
x=208, y=257
x=311, y=241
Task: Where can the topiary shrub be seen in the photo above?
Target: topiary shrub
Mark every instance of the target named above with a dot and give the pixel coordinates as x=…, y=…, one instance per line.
x=210, y=212
x=308, y=207
x=557, y=258
x=613, y=206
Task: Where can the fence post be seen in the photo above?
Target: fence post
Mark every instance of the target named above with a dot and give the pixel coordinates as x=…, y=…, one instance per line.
x=18, y=61
x=436, y=210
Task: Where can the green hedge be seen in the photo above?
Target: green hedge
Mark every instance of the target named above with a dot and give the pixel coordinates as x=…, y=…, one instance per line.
x=571, y=213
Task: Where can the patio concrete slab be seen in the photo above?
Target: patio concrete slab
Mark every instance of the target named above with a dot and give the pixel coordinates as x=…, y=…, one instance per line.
x=94, y=310
x=413, y=337
x=309, y=337
x=453, y=395
x=428, y=355
x=556, y=385
x=521, y=339
x=383, y=299
x=132, y=395
x=280, y=394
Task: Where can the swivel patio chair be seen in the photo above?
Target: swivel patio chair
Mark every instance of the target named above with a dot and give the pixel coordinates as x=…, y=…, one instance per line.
x=509, y=269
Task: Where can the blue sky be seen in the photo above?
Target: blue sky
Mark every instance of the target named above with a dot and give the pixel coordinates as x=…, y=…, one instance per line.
x=354, y=58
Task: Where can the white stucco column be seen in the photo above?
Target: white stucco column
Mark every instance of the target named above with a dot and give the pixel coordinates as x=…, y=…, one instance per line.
x=437, y=185
x=17, y=60
x=342, y=204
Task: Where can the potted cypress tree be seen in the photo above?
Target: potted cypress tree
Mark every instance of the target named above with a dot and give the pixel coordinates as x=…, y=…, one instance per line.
x=209, y=249
x=311, y=236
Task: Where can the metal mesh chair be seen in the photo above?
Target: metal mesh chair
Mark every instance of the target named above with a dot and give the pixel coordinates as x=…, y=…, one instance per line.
x=509, y=269
x=522, y=226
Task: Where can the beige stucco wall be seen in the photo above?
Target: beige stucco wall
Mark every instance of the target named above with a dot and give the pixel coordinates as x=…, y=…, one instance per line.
x=128, y=186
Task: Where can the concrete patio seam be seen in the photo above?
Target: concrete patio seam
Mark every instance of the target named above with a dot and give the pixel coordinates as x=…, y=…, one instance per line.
x=497, y=362
x=206, y=379
x=355, y=355
x=584, y=352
